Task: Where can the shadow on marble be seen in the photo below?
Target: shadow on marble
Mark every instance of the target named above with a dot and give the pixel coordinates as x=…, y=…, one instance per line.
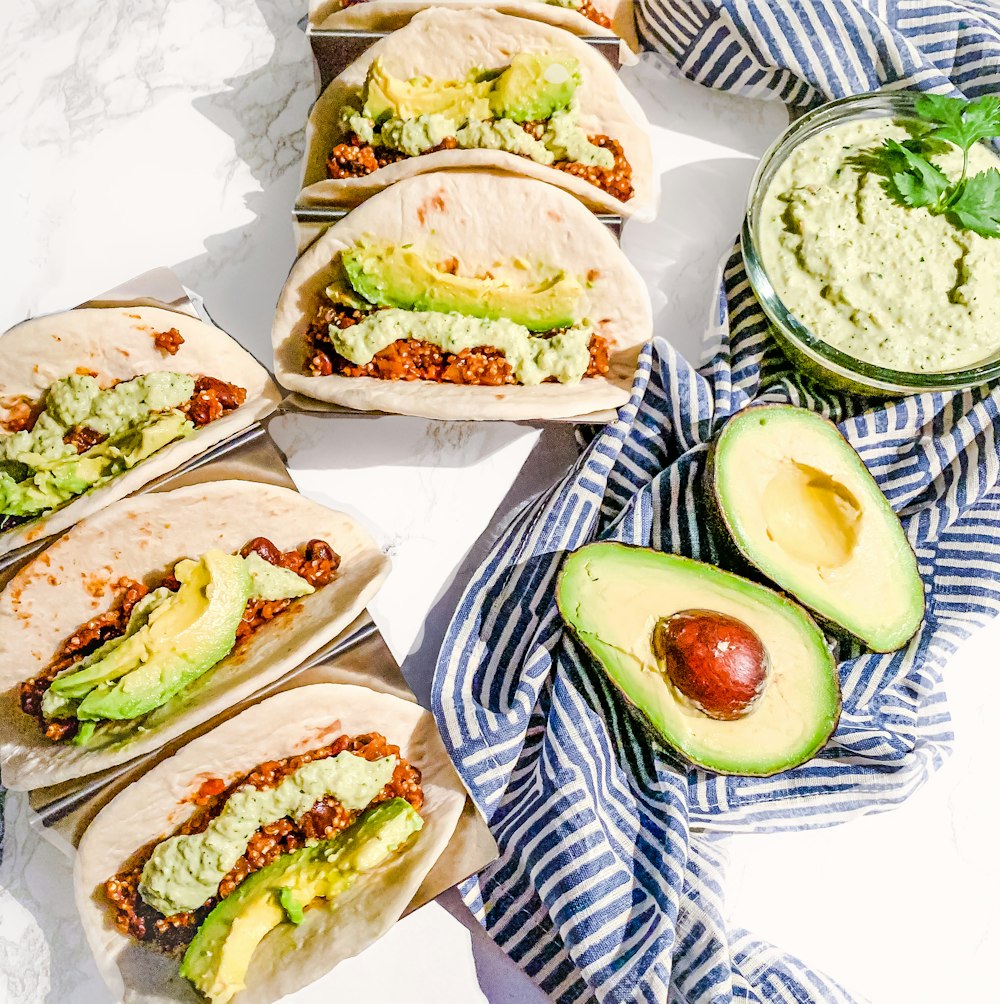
x=264, y=111
x=683, y=250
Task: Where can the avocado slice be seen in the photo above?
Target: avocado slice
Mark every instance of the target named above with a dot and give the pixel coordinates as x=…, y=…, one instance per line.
x=184, y=637
x=392, y=275
x=801, y=507
x=217, y=960
x=534, y=86
x=386, y=96
x=614, y=596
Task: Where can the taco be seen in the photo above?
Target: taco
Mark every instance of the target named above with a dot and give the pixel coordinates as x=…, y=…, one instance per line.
x=582, y=17
x=162, y=611
x=97, y=402
x=464, y=295
x=474, y=88
x=268, y=850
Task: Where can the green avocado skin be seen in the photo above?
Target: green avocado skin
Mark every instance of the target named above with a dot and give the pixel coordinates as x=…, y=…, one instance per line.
x=739, y=560
x=259, y=904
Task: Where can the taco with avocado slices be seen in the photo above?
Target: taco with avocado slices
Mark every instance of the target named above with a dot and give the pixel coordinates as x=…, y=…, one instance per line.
x=162, y=611
x=268, y=850
x=474, y=88
x=97, y=402
x=581, y=17
x=464, y=295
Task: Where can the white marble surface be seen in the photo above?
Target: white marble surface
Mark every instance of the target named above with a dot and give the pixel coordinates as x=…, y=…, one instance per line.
x=134, y=134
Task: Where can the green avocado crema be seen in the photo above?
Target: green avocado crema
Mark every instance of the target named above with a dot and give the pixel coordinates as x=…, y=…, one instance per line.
x=184, y=872
x=171, y=639
x=39, y=471
x=485, y=111
x=890, y=285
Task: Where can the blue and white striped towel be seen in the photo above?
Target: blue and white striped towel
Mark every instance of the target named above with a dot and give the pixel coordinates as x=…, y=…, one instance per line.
x=608, y=885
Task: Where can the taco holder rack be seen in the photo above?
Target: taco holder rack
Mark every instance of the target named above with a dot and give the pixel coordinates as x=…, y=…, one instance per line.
x=358, y=655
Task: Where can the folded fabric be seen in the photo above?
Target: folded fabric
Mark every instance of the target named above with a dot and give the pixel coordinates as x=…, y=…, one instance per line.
x=609, y=884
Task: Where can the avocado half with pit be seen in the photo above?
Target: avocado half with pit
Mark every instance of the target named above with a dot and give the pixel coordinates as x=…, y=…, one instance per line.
x=802, y=508
x=733, y=676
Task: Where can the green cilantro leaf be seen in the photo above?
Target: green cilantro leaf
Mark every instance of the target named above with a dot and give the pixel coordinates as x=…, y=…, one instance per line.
x=963, y=123
x=913, y=180
x=978, y=204
x=291, y=906
x=916, y=180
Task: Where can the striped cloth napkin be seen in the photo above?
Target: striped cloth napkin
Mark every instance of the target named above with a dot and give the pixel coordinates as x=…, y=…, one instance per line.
x=609, y=882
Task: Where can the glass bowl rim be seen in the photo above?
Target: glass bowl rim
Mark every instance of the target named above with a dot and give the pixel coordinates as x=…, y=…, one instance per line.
x=884, y=103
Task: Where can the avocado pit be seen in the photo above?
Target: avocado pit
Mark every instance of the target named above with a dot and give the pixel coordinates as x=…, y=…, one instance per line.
x=716, y=661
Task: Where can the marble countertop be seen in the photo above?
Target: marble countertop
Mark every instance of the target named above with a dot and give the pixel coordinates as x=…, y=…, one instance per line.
x=135, y=134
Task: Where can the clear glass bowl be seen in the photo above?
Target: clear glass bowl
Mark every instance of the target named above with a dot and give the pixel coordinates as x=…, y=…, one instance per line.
x=811, y=355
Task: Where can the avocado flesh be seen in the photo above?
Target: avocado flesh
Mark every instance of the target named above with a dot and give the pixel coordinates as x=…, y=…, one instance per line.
x=800, y=505
x=184, y=637
x=217, y=960
x=612, y=595
x=390, y=275
x=531, y=88
x=534, y=86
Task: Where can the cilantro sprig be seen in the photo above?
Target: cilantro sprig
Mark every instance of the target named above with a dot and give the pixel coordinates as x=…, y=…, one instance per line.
x=912, y=179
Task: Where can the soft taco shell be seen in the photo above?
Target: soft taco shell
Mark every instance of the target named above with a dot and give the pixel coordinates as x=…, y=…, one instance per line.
x=117, y=344
x=289, y=958
x=446, y=44
x=72, y=581
x=480, y=218
x=388, y=15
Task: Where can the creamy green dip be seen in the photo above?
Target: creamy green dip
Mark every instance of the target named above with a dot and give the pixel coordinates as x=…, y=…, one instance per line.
x=39, y=471
x=893, y=286
x=564, y=356
x=183, y=872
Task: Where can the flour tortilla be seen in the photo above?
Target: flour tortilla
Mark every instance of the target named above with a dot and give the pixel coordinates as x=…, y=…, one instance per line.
x=117, y=344
x=481, y=218
x=289, y=958
x=388, y=15
x=446, y=44
x=72, y=581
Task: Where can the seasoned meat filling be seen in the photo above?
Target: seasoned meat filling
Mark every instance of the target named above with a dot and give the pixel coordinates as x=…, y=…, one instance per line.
x=413, y=359
x=317, y=563
x=322, y=822
x=591, y=13
x=82, y=438
x=355, y=159
x=21, y=415
x=212, y=399
x=168, y=341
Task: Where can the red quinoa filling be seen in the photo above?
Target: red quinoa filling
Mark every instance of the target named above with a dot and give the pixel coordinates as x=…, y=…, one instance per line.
x=323, y=821
x=413, y=359
x=317, y=563
x=356, y=159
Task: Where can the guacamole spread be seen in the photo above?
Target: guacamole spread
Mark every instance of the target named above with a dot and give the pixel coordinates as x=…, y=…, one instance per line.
x=183, y=872
x=488, y=110
x=564, y=356
x=891, y=285
x=41, y=468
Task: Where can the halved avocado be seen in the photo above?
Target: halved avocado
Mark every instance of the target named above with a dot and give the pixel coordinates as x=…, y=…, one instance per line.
x=802, y=508
x=613, y=596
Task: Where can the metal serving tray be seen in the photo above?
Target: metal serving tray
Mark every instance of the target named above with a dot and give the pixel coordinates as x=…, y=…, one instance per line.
x=334, y=49
x=359, y=655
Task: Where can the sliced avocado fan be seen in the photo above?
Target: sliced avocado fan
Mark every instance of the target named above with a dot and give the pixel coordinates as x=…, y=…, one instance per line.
x=217, y=960
x=800, y=506
x=614, y=596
